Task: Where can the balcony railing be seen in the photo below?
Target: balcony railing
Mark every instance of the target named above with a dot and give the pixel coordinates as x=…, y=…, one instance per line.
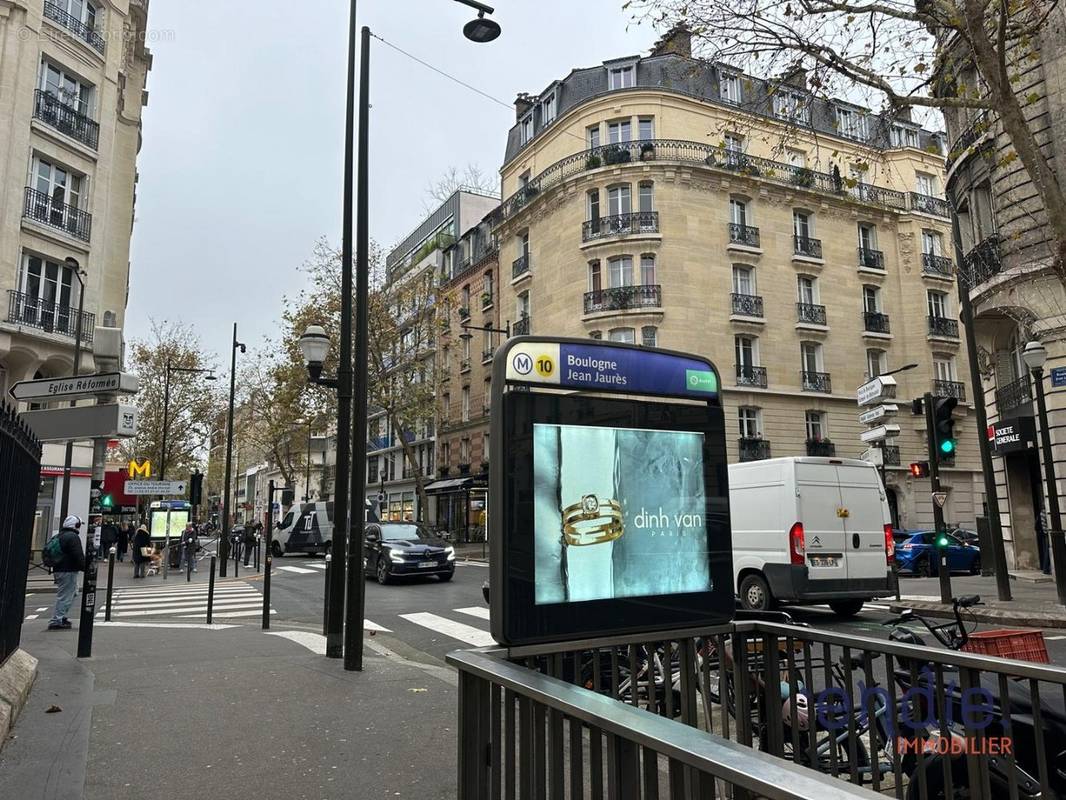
x=743, y=234
x=42, y=208
x=623, y=298
x=520, y=327
x=464, y=365
x=806, y=246
x=933, y=264
x=486, y=300
x=1014, y=394
x=520, y=266
x=66, y=119
x=753, y=449
x=890, y=454
x=875, y=322
x=970, y=134
x=748, y=375
x=871, y=259
x=816, y=381
x=982, y=262
x=943, y=326
x=74, y=25
x=949, y=389
x=486, y=355
x=821, y=447
x=928, y=204
x=810, y=313
x=748, y=305
x=29, y=310
x=620, y=225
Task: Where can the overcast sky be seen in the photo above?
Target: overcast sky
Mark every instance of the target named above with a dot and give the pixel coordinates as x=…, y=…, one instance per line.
x=240, y=171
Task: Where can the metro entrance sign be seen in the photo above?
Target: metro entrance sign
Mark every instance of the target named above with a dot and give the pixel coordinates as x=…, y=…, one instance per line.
x=75, y=388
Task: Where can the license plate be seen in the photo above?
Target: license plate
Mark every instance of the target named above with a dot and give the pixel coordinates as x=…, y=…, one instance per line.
x=823, y=561
x=427, y=565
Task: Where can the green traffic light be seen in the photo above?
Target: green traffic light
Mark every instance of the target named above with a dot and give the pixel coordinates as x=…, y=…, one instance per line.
x=106, y=501
x=942, y=541
x=947, y=446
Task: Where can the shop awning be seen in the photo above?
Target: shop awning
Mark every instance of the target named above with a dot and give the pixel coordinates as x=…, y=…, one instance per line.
x=453, y=485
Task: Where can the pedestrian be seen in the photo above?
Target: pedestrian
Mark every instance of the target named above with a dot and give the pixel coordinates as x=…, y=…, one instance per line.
x=142, y=545
x=1043, y=547
x=123, y=543
x=250, y=540
x=70, y=561
x=108, y=539
x=189, y=545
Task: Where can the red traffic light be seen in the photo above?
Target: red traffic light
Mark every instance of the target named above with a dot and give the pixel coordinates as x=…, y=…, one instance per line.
x=920, y=469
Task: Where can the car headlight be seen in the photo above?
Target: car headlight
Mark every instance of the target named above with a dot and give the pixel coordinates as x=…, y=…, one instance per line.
x=396, y=557
x=450, y=552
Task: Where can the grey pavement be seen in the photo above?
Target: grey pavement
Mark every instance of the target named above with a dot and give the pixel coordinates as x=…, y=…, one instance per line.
x=1033, y=603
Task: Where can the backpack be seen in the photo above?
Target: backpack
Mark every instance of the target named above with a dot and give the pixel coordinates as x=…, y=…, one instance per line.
x=52, y=553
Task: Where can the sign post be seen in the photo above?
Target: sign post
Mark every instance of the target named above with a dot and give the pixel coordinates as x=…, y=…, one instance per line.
x=78, y=387
x=876, y=397
x=939, y=498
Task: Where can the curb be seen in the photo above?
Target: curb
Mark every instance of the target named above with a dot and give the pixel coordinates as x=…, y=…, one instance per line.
x=1025, y=619
x=16, y=678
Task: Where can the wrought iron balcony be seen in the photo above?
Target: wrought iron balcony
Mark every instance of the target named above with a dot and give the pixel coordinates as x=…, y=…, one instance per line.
x=942, y=326
x=806, y=246
x=620, y=225
x=42, y=208
x=871, y=259
x=31, y=311
x=623, y=298
x=748, y=375
x=816, y=381
x=875, y=322
x=954, y=389
x=937, y=265
x=520, y=327
x=464, y=365
x=821, y=447
x=520, y=266
x=927, y=204
x=982, y=262
x=64, y=118
x=743, y=234
x=890, y=453
x=748, y=305
x=1014, y=394
x=74, y=25
x=753, y=449
x=486, y=355
x=810, y=313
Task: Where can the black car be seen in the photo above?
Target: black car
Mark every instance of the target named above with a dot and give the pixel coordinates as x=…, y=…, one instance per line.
x=396, y=549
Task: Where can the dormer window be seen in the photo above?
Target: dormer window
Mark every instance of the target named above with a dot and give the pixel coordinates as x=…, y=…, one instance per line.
x=620, y=77
x=903, y=136
x=851, y=123
x=525, y=129
x=547, y=109
x=729, y=88
x=792, y=105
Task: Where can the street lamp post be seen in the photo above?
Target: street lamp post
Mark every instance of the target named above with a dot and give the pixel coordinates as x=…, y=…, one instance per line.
x=227, y=490
x=307, y=473
x=1034, y=357
x=166, y=407
x=68, y=455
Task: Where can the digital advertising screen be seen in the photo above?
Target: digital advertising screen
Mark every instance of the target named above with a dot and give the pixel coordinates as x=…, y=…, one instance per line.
x=158, y=525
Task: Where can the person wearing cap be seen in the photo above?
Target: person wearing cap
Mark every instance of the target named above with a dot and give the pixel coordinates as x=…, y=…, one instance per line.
x=142, y=540
x=65, y=572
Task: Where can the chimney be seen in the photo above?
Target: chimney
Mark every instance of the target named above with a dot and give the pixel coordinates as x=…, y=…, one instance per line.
x=522, y=104
x=677, y=40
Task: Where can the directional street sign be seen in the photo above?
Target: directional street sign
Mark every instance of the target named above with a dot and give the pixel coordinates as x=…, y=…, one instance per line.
x=114, y=421
x=879, y=434
x=874, y=455
x=74, y=388
x=881, y=388
x=878, y=413
x=162, y=488
x=940, y=498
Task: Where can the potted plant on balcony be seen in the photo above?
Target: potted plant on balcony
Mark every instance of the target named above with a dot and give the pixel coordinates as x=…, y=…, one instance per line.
x=593, y=162
x=647, y=151
x=621, y=297
x=485, y=466
x=486, y=299
x=616, y=155
x=530, y=191
x=711, y=160
x=803, y=177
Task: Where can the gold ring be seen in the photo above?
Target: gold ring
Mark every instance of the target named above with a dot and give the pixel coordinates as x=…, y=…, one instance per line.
x=592, y=521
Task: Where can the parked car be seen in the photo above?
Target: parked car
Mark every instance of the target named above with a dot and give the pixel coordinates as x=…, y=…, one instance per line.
x=917, y=555
x=395, y=549
x=967, y=536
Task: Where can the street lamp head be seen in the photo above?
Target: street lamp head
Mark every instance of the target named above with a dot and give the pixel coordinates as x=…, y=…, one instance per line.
x=481, y=30
x=1034, y=355
x=314, y=345
x=466, y=335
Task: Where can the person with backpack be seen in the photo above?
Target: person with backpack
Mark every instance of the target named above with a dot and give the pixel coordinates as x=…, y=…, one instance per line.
x=249, y=541
x=66, y=557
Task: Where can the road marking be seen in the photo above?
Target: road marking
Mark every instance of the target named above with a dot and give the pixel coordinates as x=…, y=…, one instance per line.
x=297, y=570
x=256, y=613
x=456, y=630
x=127, y=602
x=315, y=642
x=39, y=610
x=31, y=616
x=317, y=564
x=1054, y=638
x=214, y=626
x=189, y=606
x=475, y=611
x=472, y=564
x=373, y=626
x=179, y=611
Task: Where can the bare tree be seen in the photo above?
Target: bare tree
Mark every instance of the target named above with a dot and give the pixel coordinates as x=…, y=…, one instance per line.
x=472, y=178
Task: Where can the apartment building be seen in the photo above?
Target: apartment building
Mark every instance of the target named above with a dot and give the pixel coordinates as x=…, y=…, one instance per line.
x=802, y=245
x=72, y=85
x=1008, y=269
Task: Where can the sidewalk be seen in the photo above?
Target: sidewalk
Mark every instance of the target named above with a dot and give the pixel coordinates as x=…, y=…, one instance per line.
x=1033, y=604
x=472, y=551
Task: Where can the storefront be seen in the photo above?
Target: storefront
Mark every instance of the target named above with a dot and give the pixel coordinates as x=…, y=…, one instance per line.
x=461, y=506
x=1014, y=440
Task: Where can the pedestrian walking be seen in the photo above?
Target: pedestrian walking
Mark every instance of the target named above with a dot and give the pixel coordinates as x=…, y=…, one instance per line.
x=189, y=545
x=68, y=559
x=123, y=543
x=108, y=538
x=142, y=545
x=249, y=541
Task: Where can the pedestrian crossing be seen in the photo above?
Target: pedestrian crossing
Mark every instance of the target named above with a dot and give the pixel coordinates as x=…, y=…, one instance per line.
x=184, y=602
x=476, y=634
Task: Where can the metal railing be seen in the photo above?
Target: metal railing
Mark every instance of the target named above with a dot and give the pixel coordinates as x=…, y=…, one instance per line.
x=890, y=453
x=753, y=449
x=486, y=355
x=927, y=204
x=982, y=262
x=32, y=311
x=806, y=246
x=875, y=322
x=66, y=119
x=933, y=264
x=944, y=326
x=74, y=25
x=623, y=298
x=464, y=365
x=955, y=389
x=748, y=375
x=970, y=134
x=821, y=447
x=520, y=266
x=43, y=208
x=1014, y=394
x=871, y=259
x=810, y=313
x=520, y=327
x=743, y=234
x=816, y=381
x=748, y=305
x=620, y=225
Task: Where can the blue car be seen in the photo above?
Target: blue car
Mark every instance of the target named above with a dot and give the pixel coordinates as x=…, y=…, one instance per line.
x=917, y=554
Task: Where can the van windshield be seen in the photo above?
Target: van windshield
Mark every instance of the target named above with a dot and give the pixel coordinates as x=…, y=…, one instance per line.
x=403, y=531
x=285, y=522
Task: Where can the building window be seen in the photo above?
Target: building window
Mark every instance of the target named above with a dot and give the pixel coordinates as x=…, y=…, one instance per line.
x=489, y=287
x=595, y=334
x=932, y=243
x=746, y=350
x=547, y=109
x=876, y=363
x=446, y=406
x=811, y=356
x=464, y=451
x=465, y=400
x=446, y=358
x=645, y=196
x=466, y=352
x=851, y=123
x=734, y=142
x=814, y=422
x=802, y=224
x=627, y=335
x=522, y=240
x=619, y=200
x=796, y=158
x=807, y=290
x=593, y=204
x=464, y=295
x=903, y=136
x=938, y=304
x=525, y=129
x=592, y=136
x=595, y=276
x=738, y=211
x=620, y=271
x=67, y=89
x=743, y=279
x=792, y=106
x=649, y=336
x=522, y=304
x=83, y=12
x=50, y=293
x=60, y=185
x=924, y=183
x=729, y=88
x=943, y=367
x=646, y=127
x=372, y=470
x=749, y=423
x=619, y=131
x=620, y=77
x=647, y=270
x=871, y=299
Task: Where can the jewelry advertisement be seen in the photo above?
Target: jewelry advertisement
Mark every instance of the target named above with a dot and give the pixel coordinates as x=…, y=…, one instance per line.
x=619, y=512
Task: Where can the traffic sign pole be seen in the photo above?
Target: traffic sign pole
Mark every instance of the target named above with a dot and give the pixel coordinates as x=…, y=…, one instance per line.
x=943, y=573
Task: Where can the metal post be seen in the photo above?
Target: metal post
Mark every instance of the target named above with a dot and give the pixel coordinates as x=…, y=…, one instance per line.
x=88, y=603
x=353, y=623
x=325, y=590
x=238, y=545
x=166, y=420
x=223, y=548
x=190, y=554
x=110, y=582
x=1058, y=546
x=307, y=474
x=166, y=545
x=266, y=571
x=257, y=553
x=68, y=454
x=943, y=574
x=211, y=591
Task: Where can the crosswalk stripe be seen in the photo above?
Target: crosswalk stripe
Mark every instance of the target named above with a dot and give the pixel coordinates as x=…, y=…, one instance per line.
x=122, y=608
x=317, y=564
x=315, y=642
x=39, y=610
x=475, y=611
x=179, y=595
x=185, y=598
x=174, y=610
x=256, y=613
x=373, y=626
x=31, y=616
x=297, y=569
x=180, y=588
x=456, y=630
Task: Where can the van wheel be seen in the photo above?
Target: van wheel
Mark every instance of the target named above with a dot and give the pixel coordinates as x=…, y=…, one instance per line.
x=846, y=608
x=755, y=594
x=275, y=548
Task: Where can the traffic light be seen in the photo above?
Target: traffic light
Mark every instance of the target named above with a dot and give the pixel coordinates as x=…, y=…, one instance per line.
x=196, y=488
x=920, y=469
x=287, y=497
x=107, y=504
x=941, y=540
x=944, y=426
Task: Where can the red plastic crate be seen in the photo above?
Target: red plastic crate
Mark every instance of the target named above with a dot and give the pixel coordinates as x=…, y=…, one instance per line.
x=1022, y=645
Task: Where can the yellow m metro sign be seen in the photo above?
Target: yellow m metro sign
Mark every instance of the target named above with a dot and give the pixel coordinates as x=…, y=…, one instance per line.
x=144, y=469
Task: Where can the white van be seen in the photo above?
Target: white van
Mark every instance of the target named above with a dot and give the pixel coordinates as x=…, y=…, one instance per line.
x=308, y=528
x=810, y=530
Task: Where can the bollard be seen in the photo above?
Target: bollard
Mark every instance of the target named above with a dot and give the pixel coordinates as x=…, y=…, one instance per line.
x=88, y=604
x=211, y=591
x=236, y=558
x=190, y=554
x=257, y=555
x=110, y=582
x=325, y=597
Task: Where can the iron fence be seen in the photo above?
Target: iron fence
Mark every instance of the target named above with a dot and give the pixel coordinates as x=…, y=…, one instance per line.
x=747, y=305
x=66, y=119
x=810, y=313
x=520, y=266
x=816, y=381
x=20, y=465
x=56, y=13
x=620, y=225
x=875, y=322
x=871, y=259
x=1014, y=394
x=51, y=211
x=32, y=311
x=622, y=298
x=748, y=375
x=933, y=264
x=944, y=326
x=806, y=246
x=752, y=448
x=743, y=234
